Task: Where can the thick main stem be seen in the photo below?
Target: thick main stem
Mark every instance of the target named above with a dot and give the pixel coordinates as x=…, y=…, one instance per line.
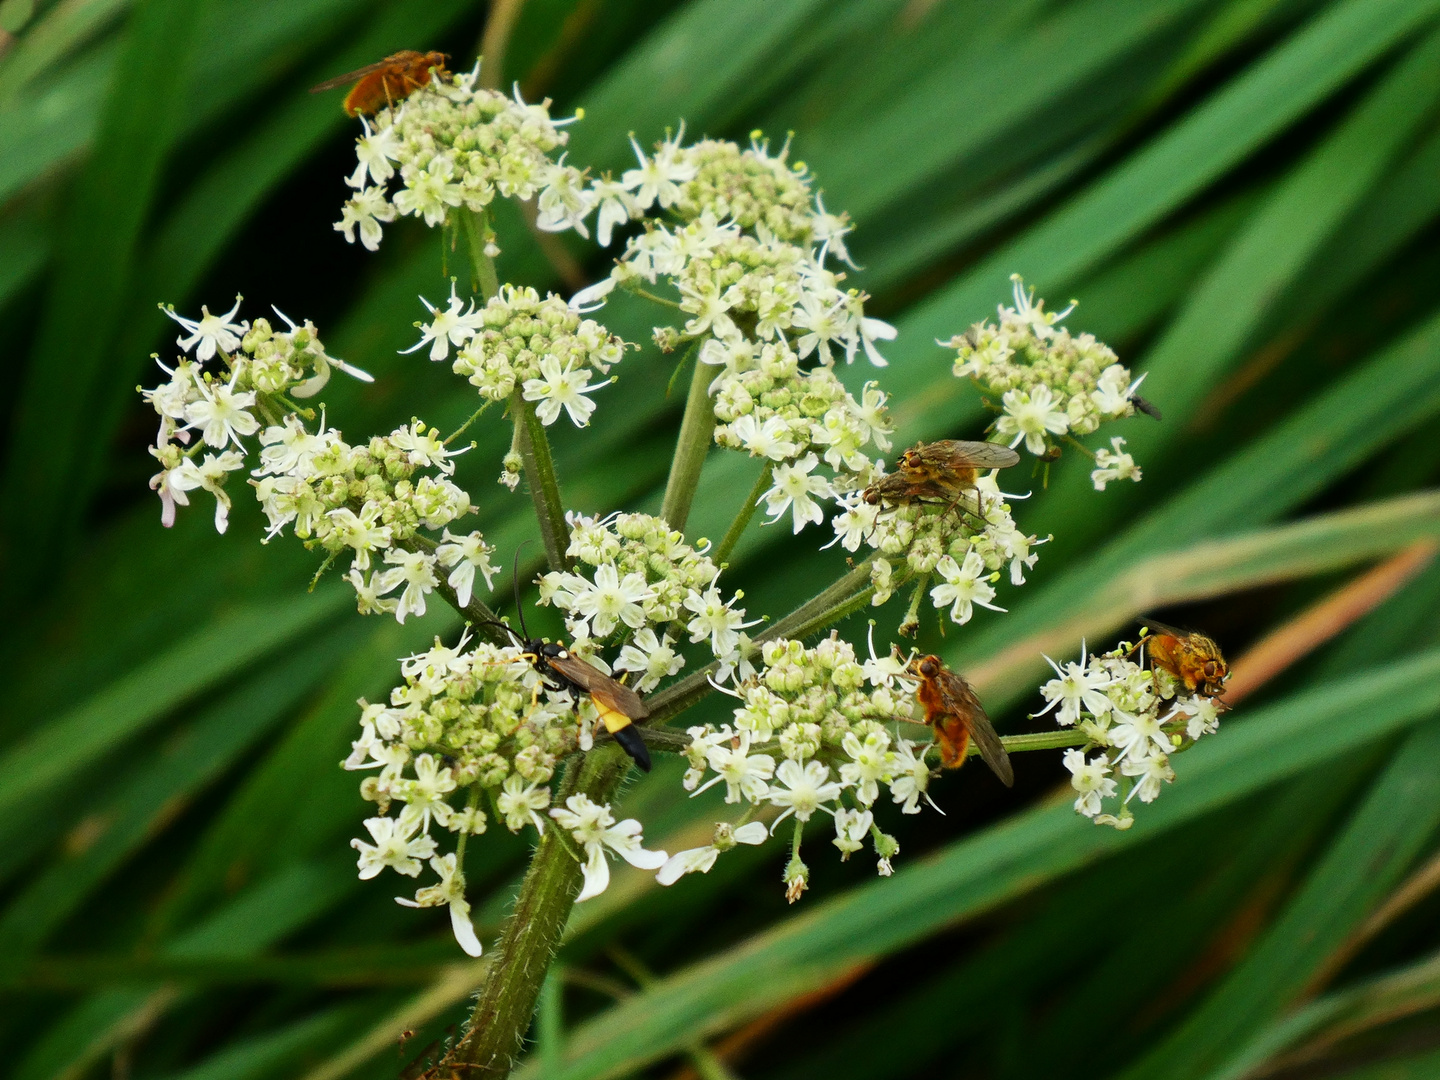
x=534, y=449
x=503, y=1011
x=696, y=431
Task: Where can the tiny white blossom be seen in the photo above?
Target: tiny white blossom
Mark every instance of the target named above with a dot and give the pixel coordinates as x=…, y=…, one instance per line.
x=561, y=387
x=466, y=554
x=520, y=803
x=770, y=439
x=610, y=598
x=595, y=829
x=745, y=774
x=457, y=324
x=211, y=333
x=700, y=860
x=652, y=656
x=795, y=486
x=1030, y=416
x=715, y=619
x=1075, y=687
x=806, y=789
x=1153, y=771
x=1091, y=779
x=964, y=585
x=1113, y=464
x=396, y=846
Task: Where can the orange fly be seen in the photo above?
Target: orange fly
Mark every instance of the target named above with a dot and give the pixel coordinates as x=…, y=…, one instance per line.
x=955, y=714
x=940, y=471
x=1192, y=658
x=382, y=84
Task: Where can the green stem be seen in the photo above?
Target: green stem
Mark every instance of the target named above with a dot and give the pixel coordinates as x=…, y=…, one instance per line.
x=478, y=236
x=648, y=295
x=473, y=417
x=534, y=449
x=506, y=1003
x=696, y=431
x=747, y=511
x=1039, y=740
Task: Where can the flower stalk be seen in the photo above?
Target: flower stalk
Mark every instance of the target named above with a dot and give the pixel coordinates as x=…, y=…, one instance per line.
x=746, y=512
x=534, y=447
x=497, y=1026
x=696, y=431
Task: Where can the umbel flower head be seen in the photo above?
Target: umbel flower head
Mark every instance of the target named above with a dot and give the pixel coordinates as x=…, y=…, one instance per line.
x=811, y=734
x=469, y=726
x=1050, y=383
x=520, y=340
x=224, y=403
x=1134, y=718
x=454, y=144
x=638, y=583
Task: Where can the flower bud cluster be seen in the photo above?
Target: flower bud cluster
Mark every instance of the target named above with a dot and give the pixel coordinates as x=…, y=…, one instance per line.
x=259, y=369
x=637, y=581
x=467, y=725
x=1135, y=717
x=812, y=733
x=1050, y=383
x=454, y=144
x=519, y=339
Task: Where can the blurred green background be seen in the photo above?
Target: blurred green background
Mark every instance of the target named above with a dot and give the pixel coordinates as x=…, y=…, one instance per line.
x=1243, y=195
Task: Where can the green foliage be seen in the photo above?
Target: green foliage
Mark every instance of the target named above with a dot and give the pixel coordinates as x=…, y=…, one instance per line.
x=1242, y=195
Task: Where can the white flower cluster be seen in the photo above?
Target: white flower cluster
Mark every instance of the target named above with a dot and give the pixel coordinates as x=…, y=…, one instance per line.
x=259, y=369
x=640, y=583
x=518, y=339
x=769, y=407
x=811, y=733
x=1050, y=383
x=1135, y=717
x=968, y=545
x=466, y=725
x=455, y=144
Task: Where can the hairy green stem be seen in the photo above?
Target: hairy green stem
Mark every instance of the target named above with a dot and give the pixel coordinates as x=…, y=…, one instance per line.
x=747, y=511
x=478, y=236
x=534, y=449
x=506, y=1003
x=696, y=431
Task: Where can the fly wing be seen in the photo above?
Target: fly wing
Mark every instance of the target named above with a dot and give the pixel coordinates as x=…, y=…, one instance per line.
x=1165, y=628
x=961, y=701
x=992, y=750
x=601, y=687
x=980, y=455
x=356, y=75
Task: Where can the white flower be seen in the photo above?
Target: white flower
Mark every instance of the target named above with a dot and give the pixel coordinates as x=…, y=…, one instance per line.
x=883, y=671
x=210, y=332
x=658, y=178
x=651, y=655
x=1112, y=392
x=520, y=803
x=745, y=774
x=456, y=325
x=366, y=211
x=1140, y=734
x=793, y=485
x=610, y=598
x=768, y=440
x=210, y=475
x=1029, y=416
x=565, y=201
x=1204, y=716
x=851, y=828
x=807, y=788
x=425, y=795
x=361, y=532
x=617, y=207
x=450, y=891
x=700, y=860
x=374, y=150
x=964, y=586
x=1075, y=687
x=595, y=829
x=1153, y=770
x=557, y=387
x=221, y=415
x=396, y=846
x=466, y=554
x=417, y=570
x=911, y=778
x=1091, y=779
x=868, y=765
x=715, y=619
x=871, y=331
x=429, y=192
x=1113, y=464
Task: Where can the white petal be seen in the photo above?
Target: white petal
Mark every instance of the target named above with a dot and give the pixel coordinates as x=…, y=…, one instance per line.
x=464, y=928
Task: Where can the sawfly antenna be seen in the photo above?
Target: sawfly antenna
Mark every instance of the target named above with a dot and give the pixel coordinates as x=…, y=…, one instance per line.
x=515, y=584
